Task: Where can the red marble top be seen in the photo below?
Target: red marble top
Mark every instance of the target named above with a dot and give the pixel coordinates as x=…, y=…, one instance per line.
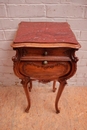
x=44, y=32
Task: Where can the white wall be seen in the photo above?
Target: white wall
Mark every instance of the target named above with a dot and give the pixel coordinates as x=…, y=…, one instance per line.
x=14, y=11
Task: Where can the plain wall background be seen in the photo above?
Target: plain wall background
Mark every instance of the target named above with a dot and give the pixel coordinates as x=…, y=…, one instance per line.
x=12, y=12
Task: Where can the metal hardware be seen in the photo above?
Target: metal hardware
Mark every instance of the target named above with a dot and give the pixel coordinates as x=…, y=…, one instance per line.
x=45, y=53
x=45, y=62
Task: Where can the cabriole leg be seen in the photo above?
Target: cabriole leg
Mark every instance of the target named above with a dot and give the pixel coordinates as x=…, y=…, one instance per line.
x=60, y=90
x=25, y=82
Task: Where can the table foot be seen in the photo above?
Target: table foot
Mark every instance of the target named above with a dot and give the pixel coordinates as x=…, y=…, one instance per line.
x=57, y=111
x=54, y=89
x=60, y=90
x=27, y=109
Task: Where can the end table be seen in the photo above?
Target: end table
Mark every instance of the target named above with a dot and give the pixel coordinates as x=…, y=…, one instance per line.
x=45, y=51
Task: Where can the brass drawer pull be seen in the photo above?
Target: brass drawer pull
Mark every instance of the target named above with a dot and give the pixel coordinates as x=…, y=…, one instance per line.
x=45, y=53
x=45, y=62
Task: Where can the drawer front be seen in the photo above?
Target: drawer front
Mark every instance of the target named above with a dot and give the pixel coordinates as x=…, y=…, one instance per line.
x=45, y=52
x=50, y=71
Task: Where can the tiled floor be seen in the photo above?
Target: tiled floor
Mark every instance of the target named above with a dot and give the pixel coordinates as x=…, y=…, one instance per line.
x=42, y=116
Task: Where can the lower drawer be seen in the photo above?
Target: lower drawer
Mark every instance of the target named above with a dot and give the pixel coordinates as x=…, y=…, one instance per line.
x=53, y=70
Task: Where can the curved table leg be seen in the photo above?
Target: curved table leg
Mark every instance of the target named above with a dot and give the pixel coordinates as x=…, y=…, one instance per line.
x=60, y=90
x=25, y=82
x=54, y=83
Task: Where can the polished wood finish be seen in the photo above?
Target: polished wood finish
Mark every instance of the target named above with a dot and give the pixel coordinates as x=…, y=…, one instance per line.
x=46, y=58
x=43, y=45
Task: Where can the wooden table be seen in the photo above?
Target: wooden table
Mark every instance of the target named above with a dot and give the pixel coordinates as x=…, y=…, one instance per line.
x=45, y=51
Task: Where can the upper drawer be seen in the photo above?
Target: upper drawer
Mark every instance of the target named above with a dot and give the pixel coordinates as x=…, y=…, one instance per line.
x=45, y=51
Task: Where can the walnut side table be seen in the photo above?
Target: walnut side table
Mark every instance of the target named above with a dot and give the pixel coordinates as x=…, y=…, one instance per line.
x=45, y=51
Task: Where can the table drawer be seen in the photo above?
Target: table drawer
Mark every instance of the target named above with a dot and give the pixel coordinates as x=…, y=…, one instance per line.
x=45, y=51
x=50, y=71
